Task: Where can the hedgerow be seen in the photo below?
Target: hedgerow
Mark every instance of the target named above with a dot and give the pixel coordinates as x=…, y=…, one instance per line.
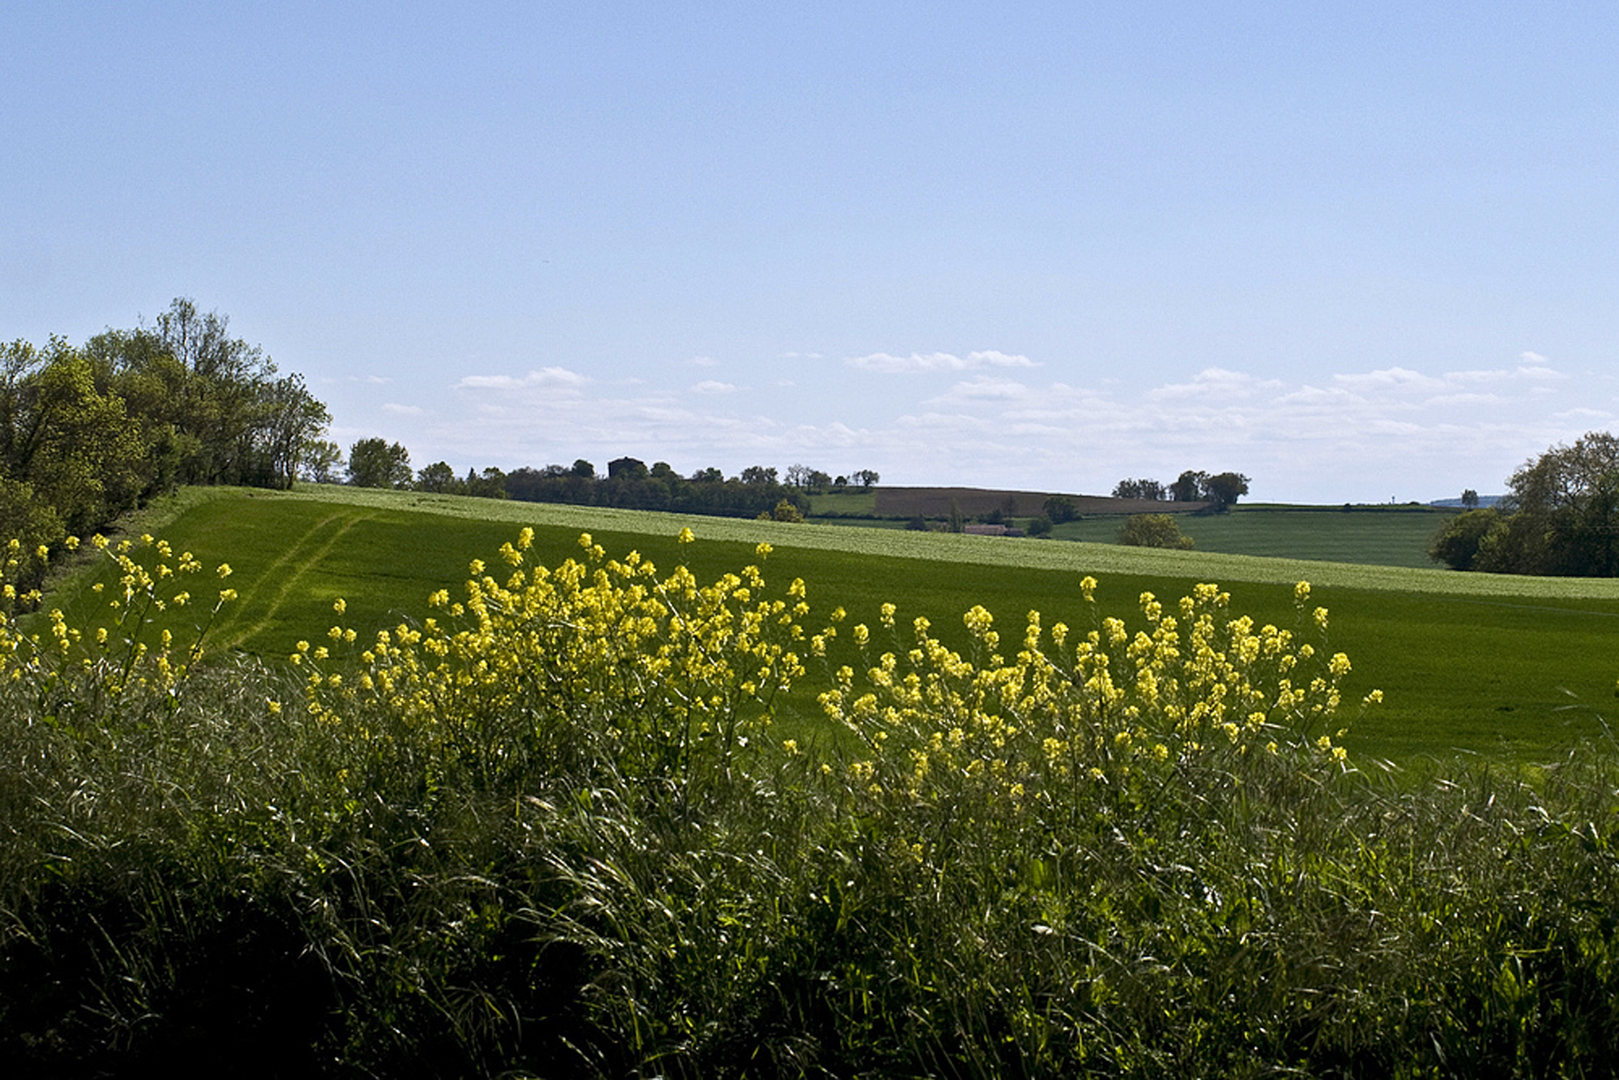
x=564, y=825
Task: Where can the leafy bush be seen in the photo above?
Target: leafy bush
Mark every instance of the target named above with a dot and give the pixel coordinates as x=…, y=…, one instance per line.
x=552, y=829
x=1153, y=530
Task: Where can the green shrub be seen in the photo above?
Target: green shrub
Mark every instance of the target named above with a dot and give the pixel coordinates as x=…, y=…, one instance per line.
x=1153, y=530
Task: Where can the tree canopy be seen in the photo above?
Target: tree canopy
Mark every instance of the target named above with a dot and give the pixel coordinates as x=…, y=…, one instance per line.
x=1560, y=517
x=89, y=432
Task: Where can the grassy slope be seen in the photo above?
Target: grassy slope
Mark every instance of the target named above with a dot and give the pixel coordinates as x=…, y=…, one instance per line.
x=1496, y=664
x=1374, y=535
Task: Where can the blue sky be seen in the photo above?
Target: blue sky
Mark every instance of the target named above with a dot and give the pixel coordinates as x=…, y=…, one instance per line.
x=1355, y=251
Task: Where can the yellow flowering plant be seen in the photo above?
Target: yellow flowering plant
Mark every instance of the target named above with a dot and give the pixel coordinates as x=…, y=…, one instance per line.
x=678, y=675
x=120, y=661
x=1014, y=723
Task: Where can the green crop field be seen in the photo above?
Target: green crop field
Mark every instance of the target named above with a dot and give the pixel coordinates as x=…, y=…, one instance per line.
x=1511, y=667
x=1374, y=535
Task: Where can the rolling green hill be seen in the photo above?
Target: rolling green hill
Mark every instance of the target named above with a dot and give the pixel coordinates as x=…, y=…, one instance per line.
x=1513, y=666
x=1374, y=535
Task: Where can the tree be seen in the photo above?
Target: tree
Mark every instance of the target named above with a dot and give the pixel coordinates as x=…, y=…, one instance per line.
x=1188, y=487
x=1561, y=516
x=374, y=463
x=1470, y=499
x=490, y=484
x=758, y=475
x=437, y=477
x=583, y=469
x=626, y=468
x=322, y=460
x=1153, y=530
x=1060, y=508
x=289, y=425
x=1138, y=489
x=1457, y=542
x=1040, y=526
x=1223, y=489
x=866, y=478
x=784, y=511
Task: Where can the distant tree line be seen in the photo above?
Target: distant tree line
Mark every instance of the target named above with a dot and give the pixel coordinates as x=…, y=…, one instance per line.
x=89, y=432
x=1220, y=490
x=1560, y=517
x=630, y=484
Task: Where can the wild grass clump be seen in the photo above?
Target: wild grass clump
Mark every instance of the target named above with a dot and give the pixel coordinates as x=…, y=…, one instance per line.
x=552, y=829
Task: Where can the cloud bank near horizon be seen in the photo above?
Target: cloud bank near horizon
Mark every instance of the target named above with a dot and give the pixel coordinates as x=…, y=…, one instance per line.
x=982, y=419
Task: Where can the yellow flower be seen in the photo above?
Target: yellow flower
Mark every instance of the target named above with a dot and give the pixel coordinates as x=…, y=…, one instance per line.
x=686, y=536
x=224, y=570
x=340, y=605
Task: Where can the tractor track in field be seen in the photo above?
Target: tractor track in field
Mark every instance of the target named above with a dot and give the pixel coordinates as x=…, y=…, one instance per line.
x=291, y=567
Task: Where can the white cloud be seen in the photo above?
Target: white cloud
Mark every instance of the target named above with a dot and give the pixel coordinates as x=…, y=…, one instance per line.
x=983, y=388
x=404, y=410
x=1394, y=378
x=703, y=361
x=713, y=386
x=550, y=376
x=938, y=361
x=1215, y=383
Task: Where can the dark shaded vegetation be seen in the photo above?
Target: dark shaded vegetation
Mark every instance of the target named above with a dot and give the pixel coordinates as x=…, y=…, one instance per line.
x=89, y=432
x=1561, y=517
x=633, y=486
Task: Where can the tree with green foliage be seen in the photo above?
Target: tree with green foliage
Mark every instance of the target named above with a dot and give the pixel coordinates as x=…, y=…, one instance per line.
x=1457, y=542
x=374, y=463
x=1223, y=489
x=1470, y=499
x=1561, y=516
x=438, y=478
x=322, y=462
x=1060, y=508
x=784, y=511
x=1153, y=530
x=1130, y=488
x=1039, y=526
x=70, y=450
x=1188, y=486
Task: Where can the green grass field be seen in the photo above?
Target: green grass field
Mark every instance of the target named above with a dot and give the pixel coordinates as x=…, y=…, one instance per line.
x=1508, y=667
x=1374, y=535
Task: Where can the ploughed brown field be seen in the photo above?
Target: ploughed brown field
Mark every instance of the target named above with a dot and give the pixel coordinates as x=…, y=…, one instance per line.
x=935, y=502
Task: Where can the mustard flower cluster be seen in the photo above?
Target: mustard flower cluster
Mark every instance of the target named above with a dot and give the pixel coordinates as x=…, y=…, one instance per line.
x=674, y=666
x=1026, y=718
x=117, y=658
